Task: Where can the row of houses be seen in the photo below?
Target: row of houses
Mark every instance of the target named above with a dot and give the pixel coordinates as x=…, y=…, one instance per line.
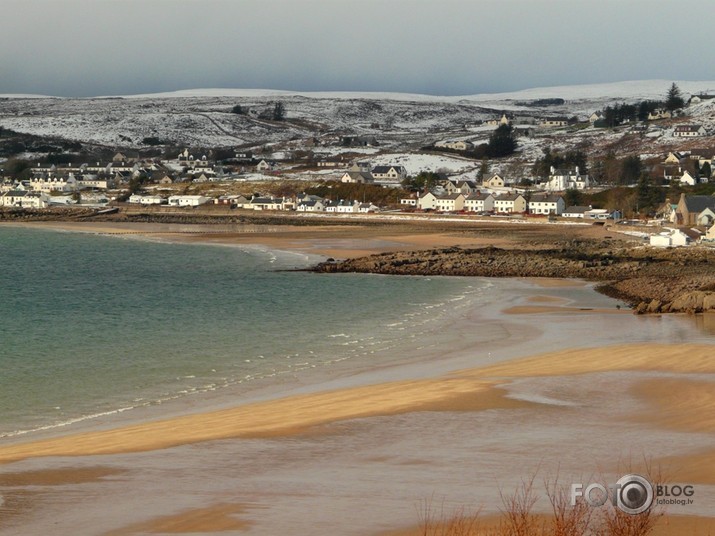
x=302, y=203
x=508, y=203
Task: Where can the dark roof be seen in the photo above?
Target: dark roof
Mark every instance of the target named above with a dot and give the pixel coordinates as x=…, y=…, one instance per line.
x=576, y=209
x=543, y=198
x=509, y=197
x=385, y=169
x=698, y=203
x=450, y=196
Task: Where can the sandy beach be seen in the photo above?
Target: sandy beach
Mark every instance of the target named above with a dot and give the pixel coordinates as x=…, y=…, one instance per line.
x=564, y=394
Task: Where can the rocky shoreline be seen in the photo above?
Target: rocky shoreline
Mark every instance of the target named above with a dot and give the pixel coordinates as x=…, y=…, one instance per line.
x=649, y=280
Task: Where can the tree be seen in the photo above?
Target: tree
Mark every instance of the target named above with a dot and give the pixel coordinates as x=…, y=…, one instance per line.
x=674, y=99
x=502, y=142
x=238, y=109
x=572, y=197
x=706, y=170
x=278, y=111
x=483, y=172
x=631, y=169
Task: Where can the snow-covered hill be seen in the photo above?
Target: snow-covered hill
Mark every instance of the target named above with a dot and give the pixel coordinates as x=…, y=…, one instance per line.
x=203, y=117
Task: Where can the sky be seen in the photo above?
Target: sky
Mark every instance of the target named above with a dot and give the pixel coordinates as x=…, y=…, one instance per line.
x=81, y=48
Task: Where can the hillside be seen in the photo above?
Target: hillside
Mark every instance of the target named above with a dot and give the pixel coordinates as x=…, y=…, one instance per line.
x=401, y=123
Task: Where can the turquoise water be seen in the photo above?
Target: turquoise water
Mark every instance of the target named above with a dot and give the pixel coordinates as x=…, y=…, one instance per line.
x=94, y=324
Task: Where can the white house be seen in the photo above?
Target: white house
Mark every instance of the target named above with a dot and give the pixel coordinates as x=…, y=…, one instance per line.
x=555, y=122
x=408, y=201
x=706, y=218
x=595, y=116
x=146, y=199
x=509, y=204
x=478, y=202
x=496, y=181
x=427, y=201
x=670, y=238
x=368, y=207
x=389, y=173
x=565, y=179
x=357, y=177
x=659, y=114
x=24, y=199
x=456, y=145
x=689, y=131
x=575, y=211
x=462, y=187
x=547, y=204
x=265, y=203
x=54, y=184
x=187, y=200
x=450, y=202
x=266, y=165
x=688, y=178
x=310, y=205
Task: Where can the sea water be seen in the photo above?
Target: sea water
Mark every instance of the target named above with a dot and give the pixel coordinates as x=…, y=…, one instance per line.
x=93, y=325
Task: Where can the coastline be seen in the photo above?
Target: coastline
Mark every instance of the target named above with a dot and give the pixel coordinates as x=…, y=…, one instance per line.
x=408, y=398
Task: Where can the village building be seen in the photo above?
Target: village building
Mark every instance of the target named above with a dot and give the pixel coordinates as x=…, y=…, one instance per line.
x=690, y=206
x=455, y=145
x=24, y=199
x=187, y=200
x=546, y=204
x=362, y=177
x=479, y=202
x=449, y=202
x=566, y=179
x=575, y=211
x=510, y=204
x=389, y=173
x=495, y=181
x=142, y=199
x=462, y=187
x=689, y=131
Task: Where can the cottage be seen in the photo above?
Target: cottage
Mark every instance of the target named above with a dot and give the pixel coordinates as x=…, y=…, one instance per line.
x=310, y=205
x=555, y=122
x=146, y=199
x=187, y=200
x=690, y=206
x=689, y=131
x=510, y=204
x=671, y=238
x=496, y=181
x=596, y=116
x=659, y=114
x=362, y=177
x=266, y=165
x=462, y=187
x=389, y=173
x=575, y=211
x=688, y=178
x=455, y=145
x=706, y=218
x=265, y=203
x=427, y=201
x=365, y=208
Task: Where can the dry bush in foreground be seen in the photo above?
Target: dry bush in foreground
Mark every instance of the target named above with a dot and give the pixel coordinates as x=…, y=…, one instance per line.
x=518, y=517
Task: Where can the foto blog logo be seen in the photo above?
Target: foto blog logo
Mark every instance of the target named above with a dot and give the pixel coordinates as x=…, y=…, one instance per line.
x=632, y=494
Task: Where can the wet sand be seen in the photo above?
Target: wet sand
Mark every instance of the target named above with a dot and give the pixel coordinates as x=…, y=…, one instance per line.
x=301, y=464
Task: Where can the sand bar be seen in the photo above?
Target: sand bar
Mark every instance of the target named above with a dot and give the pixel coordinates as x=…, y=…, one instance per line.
x=471, y=389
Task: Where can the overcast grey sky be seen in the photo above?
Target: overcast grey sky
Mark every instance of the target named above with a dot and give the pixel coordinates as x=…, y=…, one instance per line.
x=439, y=47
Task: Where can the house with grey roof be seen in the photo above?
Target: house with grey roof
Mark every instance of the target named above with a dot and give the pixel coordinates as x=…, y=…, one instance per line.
x=546, y=204
x=690, y=206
